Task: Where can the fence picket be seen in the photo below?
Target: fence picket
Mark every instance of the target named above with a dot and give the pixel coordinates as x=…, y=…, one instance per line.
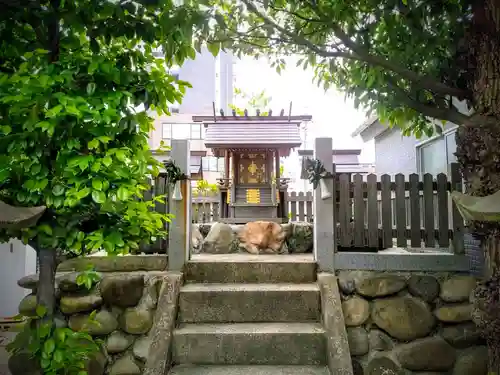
x=386, y=211
x=372, y=211
x=442, y=195
x=400, y=203
x=359, y=212
x=309, y=208
x=293, y=206
x=415, y=238
x=428, y=198
x=301, y=206
x=456, y=219
x=345, y=214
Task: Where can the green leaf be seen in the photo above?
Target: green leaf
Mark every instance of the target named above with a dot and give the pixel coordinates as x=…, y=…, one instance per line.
x=107, y=160
x=58, y=190
x=123, y=193
x=45, y=228
x=60, y=334
x=98, y=196
x=54, y=111
x=45, y=363
x=93, y=144
x=97, y=184
x=49, y=346
x=214, y=48
x=58, y=356
x=91, y=88
x=41, y=310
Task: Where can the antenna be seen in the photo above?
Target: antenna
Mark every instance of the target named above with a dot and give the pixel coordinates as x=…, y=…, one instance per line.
x=213, y=108
x=289, y=111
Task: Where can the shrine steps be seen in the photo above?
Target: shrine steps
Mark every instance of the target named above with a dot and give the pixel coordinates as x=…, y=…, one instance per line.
x=249, y=303
x=247, y=268
x=249, y=315
x=250, y=370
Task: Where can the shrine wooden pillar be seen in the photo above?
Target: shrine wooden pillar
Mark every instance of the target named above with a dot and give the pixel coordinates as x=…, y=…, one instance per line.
x=227, y=171
x=277, y=166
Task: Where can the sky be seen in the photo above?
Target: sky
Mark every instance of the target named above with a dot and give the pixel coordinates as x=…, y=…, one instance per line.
x=333, y=115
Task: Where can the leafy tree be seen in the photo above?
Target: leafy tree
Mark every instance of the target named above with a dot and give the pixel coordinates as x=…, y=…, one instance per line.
x=255, y=101
x=73, y=137
x=408, y=61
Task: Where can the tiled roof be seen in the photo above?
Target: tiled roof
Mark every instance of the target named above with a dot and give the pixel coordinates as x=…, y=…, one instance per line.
x=244, y=133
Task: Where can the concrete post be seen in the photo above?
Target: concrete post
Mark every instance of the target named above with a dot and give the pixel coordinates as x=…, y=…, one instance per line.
x=324, y=238
x=179, y=237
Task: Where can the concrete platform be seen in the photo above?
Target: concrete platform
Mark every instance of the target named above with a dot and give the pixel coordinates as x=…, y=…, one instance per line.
x=249, y=370
x=247, y=268
x=229, y=303
x=244, y=258
x=250, y=344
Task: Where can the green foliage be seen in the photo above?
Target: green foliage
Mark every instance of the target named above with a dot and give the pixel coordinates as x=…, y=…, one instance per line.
x=255, y=101
x=89, y=277
x=73, y=79
x=58, y=350
x=203, y=188
x=398, y=59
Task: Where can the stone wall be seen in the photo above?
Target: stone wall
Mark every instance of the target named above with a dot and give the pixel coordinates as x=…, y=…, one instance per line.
x=125, y=303
x=404, y=323
x=220, y=238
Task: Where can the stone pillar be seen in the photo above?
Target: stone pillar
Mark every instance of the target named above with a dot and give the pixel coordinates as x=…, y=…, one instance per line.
x=323, y=209
x=179, y=238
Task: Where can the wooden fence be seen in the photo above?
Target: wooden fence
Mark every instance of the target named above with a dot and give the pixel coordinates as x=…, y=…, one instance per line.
x=414, y=212
x=371, y=211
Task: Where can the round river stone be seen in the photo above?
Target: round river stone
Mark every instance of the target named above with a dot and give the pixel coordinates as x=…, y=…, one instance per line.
x=404, y=318
x=380, y=286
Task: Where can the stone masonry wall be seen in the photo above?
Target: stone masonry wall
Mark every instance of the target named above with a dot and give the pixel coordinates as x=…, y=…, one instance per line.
x=411, y=323
x=125, y=304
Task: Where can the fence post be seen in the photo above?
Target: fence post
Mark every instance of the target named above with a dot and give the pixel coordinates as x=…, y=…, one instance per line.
x=324, y=229
x=179, y=247
x=457, y=221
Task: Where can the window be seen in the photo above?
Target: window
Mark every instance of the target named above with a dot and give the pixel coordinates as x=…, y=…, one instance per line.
x=451, y=147
x=195, y=131
x=195, y=164
x=213, y=164
x=435, y=156
x=166, y=131
x=182, y=131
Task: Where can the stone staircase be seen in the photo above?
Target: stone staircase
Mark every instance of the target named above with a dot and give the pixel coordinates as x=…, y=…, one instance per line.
x=255, y=316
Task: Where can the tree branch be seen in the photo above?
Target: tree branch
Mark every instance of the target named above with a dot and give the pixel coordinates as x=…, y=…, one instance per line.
x=360, y=54
x=449, y=114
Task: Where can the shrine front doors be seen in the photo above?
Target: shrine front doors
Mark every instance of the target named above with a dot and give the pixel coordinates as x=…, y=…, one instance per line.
x=252, y=168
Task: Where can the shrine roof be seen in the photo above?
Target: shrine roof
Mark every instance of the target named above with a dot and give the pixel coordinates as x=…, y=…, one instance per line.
x=248, y=133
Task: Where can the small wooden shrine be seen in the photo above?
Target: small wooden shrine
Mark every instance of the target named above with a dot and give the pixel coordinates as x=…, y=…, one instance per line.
x=252, y=188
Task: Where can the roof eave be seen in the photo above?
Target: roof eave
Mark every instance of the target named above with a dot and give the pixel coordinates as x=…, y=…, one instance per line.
x=251, y=145
x=364, y=126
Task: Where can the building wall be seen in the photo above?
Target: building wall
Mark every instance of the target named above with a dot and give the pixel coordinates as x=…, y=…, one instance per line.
x=395, y=153
x=212, y=83
x=211, y=79
x=16, y=261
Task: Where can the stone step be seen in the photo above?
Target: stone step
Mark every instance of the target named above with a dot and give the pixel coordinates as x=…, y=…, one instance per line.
x=247, y=268
x=233, y=303
x=250, y=344
x=249, y=370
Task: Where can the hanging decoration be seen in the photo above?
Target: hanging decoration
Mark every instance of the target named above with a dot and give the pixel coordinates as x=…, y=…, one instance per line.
x=174, y=177
x=316, y=174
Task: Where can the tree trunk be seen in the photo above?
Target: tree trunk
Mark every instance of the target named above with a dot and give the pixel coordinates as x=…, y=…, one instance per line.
x=46, y=295
x=478, y=152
